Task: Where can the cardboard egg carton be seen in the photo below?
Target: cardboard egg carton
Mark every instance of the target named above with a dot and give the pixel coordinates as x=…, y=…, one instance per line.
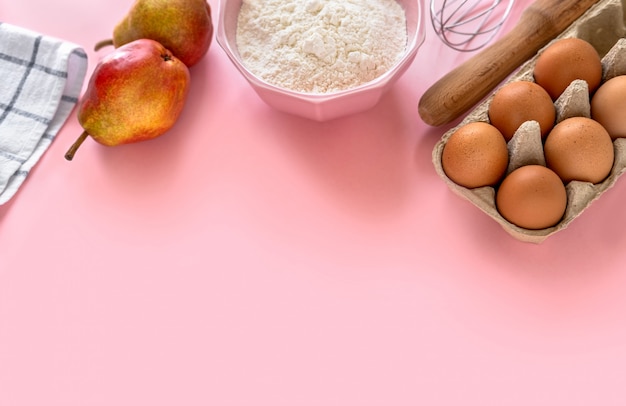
x=603, y=26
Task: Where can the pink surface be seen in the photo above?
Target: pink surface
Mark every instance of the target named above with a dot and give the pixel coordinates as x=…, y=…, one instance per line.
x=250, y=257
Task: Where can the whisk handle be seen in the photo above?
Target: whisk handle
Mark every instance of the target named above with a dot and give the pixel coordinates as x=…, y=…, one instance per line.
x=463, y=87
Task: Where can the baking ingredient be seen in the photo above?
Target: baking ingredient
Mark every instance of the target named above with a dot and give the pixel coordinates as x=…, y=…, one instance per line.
x=520, y=101
x=608, y=106
x=320, y=46
x=182, y=26
x=579, y=148
x=532, y=197
x=564, y=61
x=135, y=93
x=475, y=155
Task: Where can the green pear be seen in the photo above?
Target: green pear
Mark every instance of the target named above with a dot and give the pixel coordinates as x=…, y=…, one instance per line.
x=135, y=93
x=182, y=26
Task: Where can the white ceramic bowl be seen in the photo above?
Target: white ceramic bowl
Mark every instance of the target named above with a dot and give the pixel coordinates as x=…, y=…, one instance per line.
x=322, y=107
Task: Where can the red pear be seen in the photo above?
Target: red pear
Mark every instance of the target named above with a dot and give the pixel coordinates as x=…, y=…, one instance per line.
x=135, y=93
x=182, y=26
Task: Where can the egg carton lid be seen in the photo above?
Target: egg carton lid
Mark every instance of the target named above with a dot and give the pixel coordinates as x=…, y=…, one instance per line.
x=603, y=26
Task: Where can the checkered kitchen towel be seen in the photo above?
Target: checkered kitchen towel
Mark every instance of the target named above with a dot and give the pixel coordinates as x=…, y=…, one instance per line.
x=40, y=81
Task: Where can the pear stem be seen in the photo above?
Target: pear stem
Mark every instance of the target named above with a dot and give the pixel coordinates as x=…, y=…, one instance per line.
x=102, y=44
x=69, y=155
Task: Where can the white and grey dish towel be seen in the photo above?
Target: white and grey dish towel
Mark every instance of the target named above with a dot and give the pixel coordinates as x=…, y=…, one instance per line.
x=41, y=78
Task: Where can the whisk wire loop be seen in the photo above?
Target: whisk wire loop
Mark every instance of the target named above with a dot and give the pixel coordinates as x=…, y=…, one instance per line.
x=468, y=25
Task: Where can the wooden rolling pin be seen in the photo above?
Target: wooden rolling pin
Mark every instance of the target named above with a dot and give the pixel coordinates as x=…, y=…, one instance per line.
x=463, y=87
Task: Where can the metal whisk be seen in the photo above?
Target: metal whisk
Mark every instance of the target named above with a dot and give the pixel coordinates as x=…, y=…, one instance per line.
x=468, y=25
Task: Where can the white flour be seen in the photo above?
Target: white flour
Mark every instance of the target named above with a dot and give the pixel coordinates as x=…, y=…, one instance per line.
x=320, y=46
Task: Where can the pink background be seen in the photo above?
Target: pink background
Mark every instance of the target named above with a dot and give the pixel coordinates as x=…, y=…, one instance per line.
x=249, y=257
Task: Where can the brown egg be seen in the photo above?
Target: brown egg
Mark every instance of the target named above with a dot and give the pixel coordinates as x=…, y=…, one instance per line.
x=566, y=60
x=475, y=155
x=579, y=148
x=518, y=102
x=608, y=106
x=532, y=197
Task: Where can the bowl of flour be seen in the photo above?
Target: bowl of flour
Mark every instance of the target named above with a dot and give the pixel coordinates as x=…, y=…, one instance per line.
x=321, y=59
